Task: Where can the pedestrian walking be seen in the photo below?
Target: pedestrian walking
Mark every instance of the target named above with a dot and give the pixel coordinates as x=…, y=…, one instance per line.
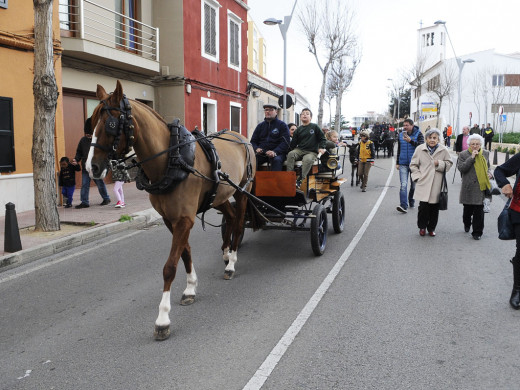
x=473, y=164
x=408, y=140
x=67, y=179
x=429, y=164
x=365, y=153
x=120, y=176
x=509, y=168
x=81, y=155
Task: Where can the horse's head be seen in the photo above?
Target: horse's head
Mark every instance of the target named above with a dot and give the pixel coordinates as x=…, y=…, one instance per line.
x=113, y=128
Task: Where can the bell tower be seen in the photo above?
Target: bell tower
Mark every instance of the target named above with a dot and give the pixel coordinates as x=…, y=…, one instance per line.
x=431, y=44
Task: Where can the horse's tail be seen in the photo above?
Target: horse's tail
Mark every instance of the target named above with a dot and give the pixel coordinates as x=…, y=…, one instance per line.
x=254, y=216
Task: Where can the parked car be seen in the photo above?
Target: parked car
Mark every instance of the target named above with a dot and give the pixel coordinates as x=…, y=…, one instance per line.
x=345, y=135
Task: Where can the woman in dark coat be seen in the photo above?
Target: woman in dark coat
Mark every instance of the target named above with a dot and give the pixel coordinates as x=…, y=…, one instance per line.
x=509, y=168
x=473, y=164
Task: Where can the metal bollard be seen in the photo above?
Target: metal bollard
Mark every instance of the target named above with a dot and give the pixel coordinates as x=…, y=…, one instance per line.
x=495, y=157
x=12, y=241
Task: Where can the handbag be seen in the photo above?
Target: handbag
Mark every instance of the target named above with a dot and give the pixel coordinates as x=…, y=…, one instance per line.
x=506, y=230
x=443, y=197
x=495, y=190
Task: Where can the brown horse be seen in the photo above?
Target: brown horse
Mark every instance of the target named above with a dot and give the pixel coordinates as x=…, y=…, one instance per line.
x=149, y=135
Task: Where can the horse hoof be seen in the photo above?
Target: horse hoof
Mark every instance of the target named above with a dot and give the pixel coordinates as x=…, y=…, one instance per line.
x=228, y=275
x=161, y=333
x=187, y=300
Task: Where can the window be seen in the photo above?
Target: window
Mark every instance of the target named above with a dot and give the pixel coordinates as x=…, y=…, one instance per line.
x=127, y=33
x=210, y=28
x=234, y=34
x=3, y=3
x=512, y=80
x=432, y=38
x=235, y=109
x=433, y=83
x=498, y=80
x=7, y=162
x=208, y=116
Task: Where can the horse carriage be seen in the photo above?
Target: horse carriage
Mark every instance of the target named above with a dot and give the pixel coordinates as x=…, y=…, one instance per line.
x=280, y=205
x=187, y=173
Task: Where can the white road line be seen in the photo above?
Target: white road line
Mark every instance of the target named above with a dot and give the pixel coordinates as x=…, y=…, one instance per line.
x=57, y=261
x=269, y=364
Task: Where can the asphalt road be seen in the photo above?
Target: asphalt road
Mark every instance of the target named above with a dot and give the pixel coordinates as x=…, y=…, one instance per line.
x=399, y=311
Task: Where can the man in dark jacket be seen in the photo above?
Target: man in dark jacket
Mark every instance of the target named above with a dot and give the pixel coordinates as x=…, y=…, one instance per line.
x=408, y=140
x=488, y=135
x=271, y=139
x=82, y=155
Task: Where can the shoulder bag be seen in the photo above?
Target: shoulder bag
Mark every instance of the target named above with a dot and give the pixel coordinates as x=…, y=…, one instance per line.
x=506, y=230
x=443, y=197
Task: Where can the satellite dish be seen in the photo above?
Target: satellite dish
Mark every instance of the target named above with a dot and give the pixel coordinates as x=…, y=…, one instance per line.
x=288, y=101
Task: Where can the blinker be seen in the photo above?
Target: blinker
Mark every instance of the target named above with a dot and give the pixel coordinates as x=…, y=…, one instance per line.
x=111, y=126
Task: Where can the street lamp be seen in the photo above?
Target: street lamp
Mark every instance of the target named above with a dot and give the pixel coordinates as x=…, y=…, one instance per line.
x=284, y=26
x=398, y=102
x=460, y=64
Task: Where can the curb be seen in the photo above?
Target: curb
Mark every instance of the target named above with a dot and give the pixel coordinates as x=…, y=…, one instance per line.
x=139, y=220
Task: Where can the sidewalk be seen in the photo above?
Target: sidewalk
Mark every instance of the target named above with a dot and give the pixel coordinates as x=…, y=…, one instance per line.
x=78, y=226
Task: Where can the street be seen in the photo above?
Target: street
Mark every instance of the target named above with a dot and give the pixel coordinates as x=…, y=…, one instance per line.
x=400, y=311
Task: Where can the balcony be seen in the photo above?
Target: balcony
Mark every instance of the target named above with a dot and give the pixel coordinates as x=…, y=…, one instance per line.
x=97, y=34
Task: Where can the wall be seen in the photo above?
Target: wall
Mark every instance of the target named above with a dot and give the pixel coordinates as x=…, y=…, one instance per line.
x=17, y=83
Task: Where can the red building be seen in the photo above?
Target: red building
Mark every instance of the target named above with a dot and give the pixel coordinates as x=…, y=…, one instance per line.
x=211, y=80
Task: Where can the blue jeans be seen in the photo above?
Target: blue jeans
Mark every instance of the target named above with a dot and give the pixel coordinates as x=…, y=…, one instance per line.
x=85, y=187
x=404, y=196
x=67, y=193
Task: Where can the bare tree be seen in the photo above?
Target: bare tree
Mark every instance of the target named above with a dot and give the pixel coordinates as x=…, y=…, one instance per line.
x=442, y=86
x=342, y=74
x=45, y=92
x=415, y=77
x=328, y=28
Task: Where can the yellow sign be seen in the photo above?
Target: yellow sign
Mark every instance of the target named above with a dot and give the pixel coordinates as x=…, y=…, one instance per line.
x=429, y=107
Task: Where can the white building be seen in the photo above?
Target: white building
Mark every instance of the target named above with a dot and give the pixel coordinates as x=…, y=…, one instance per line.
x=488, y=84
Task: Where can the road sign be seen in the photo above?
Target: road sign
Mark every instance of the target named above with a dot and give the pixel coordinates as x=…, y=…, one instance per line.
x=500, y=110
x=503, y=118
x=470, y=115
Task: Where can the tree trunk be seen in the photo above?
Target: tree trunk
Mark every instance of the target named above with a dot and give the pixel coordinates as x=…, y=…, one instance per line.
x=337, y=118
x=322, y=94
x=45, y=92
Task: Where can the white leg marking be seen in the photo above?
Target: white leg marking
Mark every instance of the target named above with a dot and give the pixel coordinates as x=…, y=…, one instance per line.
x=164, y=310
x=233, y=258
x=191, y=287
x=225, y=256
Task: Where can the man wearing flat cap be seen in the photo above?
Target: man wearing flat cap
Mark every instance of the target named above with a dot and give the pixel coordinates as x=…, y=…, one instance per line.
x=271, y=139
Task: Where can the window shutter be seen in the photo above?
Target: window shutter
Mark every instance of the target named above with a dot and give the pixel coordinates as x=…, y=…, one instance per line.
x=213, y=33
x=7, y=161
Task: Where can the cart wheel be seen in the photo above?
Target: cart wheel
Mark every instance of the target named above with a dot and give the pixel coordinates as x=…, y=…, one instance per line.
x=319, y=230
x=223, y=229
x=338, y=212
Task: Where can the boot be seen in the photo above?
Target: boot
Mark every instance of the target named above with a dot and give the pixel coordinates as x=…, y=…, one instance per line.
x=515, y=294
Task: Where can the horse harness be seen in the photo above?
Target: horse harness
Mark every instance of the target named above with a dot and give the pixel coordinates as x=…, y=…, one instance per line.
x=181, y=155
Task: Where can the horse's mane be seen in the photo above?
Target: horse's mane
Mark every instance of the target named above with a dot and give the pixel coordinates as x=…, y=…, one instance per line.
x=149, y=109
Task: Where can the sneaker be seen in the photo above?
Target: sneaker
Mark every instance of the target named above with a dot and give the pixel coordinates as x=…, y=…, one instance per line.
x=486, y=205
x=363, y=189
x=82, y=206
x=412, y=205
x=105, y=202
x=119, y=204
x=401, y=209
x=67, y=206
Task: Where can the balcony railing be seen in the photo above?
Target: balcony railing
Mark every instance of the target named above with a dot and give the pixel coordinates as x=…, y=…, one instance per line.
x=87, y=20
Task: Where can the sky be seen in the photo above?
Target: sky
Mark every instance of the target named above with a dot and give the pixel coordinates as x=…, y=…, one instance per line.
x=387, y=31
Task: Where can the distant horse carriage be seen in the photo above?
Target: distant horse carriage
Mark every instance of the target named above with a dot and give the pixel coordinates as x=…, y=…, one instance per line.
x=187, y=173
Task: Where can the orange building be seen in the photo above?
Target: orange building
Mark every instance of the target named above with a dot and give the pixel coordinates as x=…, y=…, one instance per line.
x=17, y=102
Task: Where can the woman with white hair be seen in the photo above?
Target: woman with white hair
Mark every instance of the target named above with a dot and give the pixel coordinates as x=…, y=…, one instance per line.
x=429, y=162
x=473, y=164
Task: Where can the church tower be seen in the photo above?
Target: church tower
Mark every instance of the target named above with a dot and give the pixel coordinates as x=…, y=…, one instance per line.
x=431, y=44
